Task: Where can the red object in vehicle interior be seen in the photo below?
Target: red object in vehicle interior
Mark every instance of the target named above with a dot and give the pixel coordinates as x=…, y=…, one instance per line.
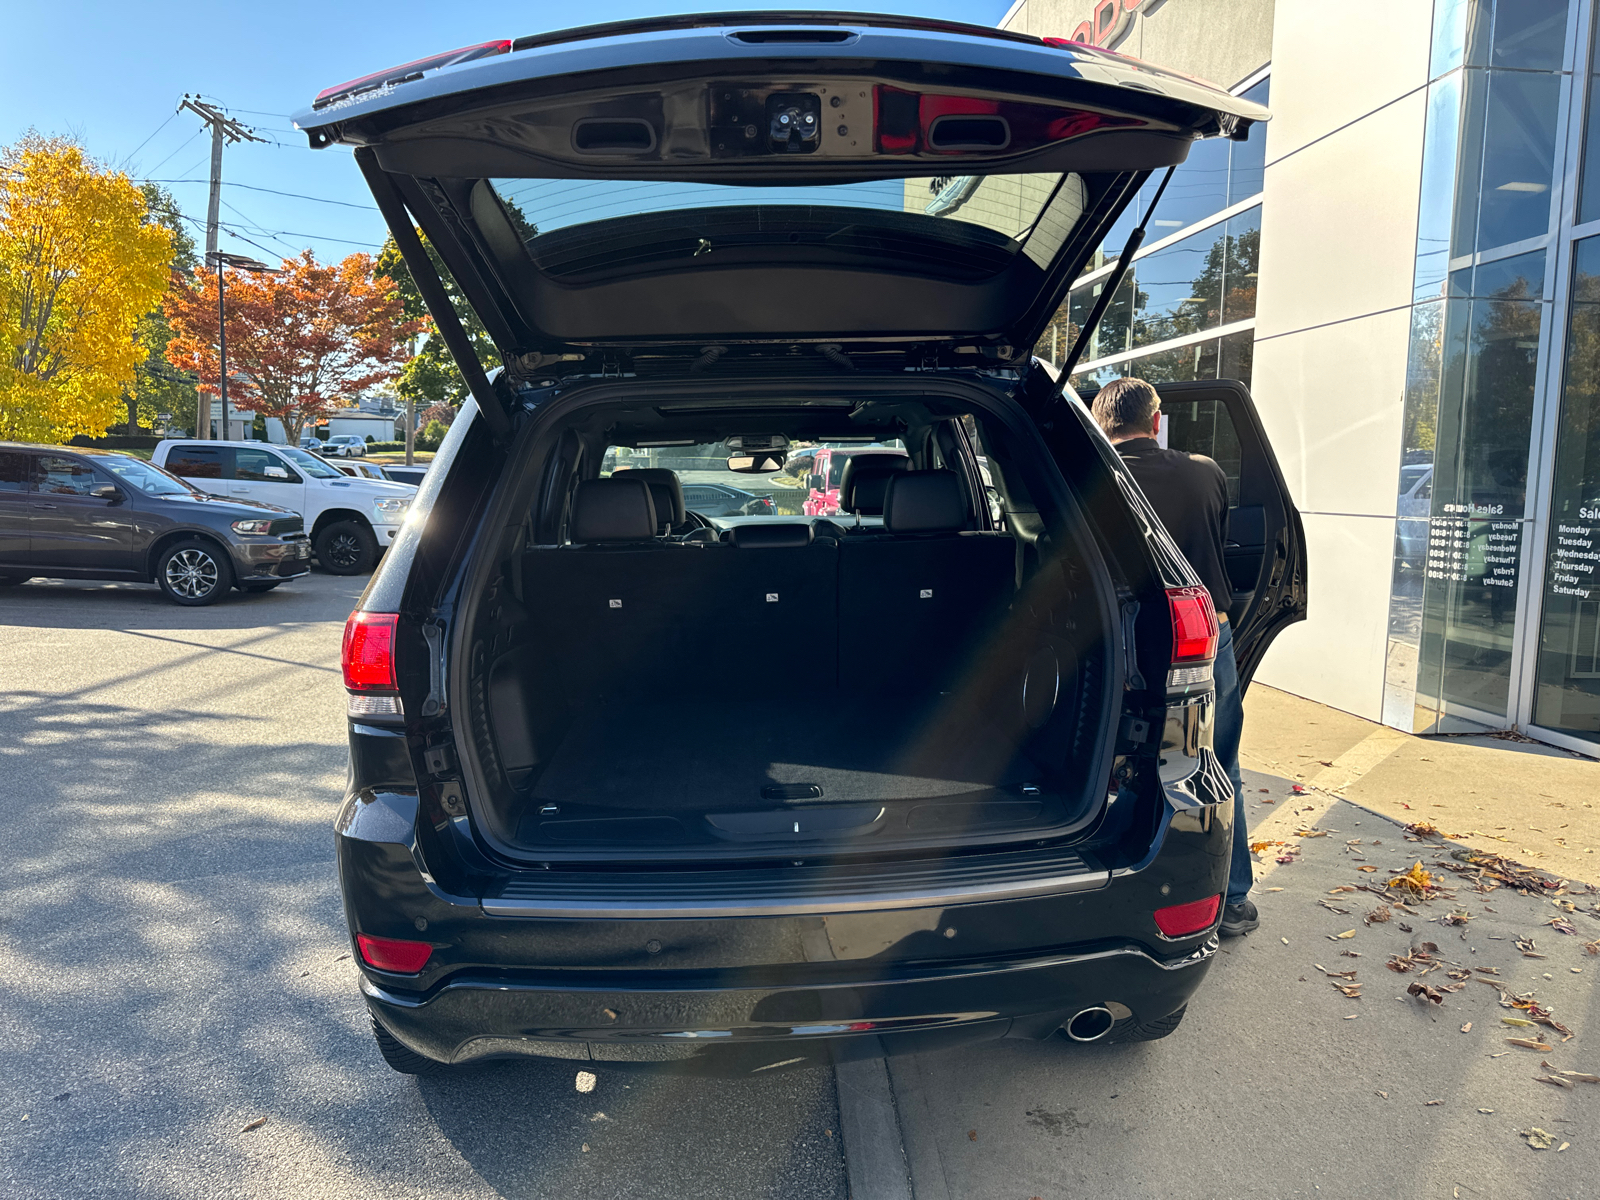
x=394, y=954
x=368, y=652
x=1194, y=624
x=1178, y=920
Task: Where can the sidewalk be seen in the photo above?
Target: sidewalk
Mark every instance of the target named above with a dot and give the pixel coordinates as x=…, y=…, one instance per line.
x=1529, y=802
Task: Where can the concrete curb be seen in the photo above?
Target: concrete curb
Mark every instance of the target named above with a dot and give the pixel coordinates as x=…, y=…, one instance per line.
x=869, y=1126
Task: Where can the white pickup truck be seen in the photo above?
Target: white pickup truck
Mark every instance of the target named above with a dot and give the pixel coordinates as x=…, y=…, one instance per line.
x=350, y=520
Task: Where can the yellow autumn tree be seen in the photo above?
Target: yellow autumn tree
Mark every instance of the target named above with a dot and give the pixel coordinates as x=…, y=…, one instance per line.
x=80, y=263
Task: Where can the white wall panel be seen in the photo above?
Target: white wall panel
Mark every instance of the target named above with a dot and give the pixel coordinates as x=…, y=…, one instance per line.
x=1332, y=399
x=1335, y=63
x=1335, y=657
x=1339, y=222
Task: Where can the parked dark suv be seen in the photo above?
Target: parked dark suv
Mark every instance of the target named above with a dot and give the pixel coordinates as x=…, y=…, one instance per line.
x=68, y=513
x=595, y=809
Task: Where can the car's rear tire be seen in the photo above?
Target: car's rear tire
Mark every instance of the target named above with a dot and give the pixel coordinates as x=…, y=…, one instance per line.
x=347, y=548
x=194, y=572
x=1132, y=1029
x=257, y=588
x=401, y=1057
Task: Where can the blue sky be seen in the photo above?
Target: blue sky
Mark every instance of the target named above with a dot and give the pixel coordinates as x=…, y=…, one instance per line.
x=111, y=75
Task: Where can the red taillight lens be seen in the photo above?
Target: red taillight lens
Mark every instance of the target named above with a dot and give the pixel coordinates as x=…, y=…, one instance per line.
x=1182, y=919
x=411, y=70
x=368, y=655
x=1194, y=624
x=394, y=954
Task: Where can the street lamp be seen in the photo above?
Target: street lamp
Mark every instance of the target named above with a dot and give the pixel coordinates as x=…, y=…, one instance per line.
x=239, y=262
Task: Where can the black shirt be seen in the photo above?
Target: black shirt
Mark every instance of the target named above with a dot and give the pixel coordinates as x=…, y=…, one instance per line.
x=1190, y=494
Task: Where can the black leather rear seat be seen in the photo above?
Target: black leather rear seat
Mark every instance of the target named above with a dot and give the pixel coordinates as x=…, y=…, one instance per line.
x=621, y=609
x=917, y=601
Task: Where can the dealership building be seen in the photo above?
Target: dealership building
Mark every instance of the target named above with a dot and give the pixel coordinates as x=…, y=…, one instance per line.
x=1404, y=266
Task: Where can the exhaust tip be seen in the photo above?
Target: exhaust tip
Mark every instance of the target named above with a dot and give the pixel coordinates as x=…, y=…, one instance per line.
x=1090, y=1025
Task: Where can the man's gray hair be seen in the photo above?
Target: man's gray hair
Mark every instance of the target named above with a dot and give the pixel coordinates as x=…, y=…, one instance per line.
x=1125, y=407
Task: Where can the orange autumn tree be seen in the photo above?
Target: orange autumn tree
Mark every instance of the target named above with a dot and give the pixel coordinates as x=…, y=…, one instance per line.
x=301, y=343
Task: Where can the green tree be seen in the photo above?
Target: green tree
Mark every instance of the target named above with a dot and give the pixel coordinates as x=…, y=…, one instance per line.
x=159, y=387
x=432, y=376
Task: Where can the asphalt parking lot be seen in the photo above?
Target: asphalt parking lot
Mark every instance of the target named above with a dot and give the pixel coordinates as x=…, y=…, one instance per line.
x=175, y=969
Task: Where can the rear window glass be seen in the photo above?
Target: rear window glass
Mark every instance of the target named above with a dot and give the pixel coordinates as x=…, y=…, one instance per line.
x=200, y=462
x=990, y=217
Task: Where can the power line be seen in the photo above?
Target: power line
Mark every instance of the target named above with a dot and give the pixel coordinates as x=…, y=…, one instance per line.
x=274, y=192
x=181, y=145
x=146, y=142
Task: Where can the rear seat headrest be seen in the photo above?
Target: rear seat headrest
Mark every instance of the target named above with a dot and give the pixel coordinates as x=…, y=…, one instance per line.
x=618, y=509
x=667, y=492
x=784, y=536
x=924, y=502
x=866, y=479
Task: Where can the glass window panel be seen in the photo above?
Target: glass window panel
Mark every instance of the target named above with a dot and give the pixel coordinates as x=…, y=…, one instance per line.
x=1198, y=189
x=1237, y=356
x=1248, y=164
x=1567, y=686
x=1450, y=21
x=1441, y=138
x=1589, y=180
x=1206, y=427
x=1518, y=278
x=1179, y=365
x=1180, y=287
x=57, y=476
x=1242, y=253
x=1519, y=150
x=1529, y=34
x=14, y=471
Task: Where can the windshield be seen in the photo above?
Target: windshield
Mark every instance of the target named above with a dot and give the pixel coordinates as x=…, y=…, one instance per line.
x=147, y=477
x=309, y=463
x=807, y=486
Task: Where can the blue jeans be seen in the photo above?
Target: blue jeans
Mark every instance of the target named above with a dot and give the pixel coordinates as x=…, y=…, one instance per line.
x=1226, y=730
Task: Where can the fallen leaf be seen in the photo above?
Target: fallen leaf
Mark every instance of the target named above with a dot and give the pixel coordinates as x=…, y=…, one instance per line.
x=1562, y=925
x=1385, y=1095
x=1416, y=881
x=1377, y=916
x=256, y=1124
x=1467, y=1028
x=1350, y=974
x=1352, y=1017
x=1367, y=868
x=1431, y=1103
x=1337, y=937
x=1562, y=1147
x=1580, y=1076
x=972, y=1135
x=1530, y=1044
x=1486, y=1110
x=1352, y=990
x=1556, y=1080
x=1538, y=1139
x=1343, y=887
x=1272, y=889
x=1423, y=991
x=1515, y=1021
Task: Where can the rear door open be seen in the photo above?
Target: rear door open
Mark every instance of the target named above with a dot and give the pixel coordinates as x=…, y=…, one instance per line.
x=894, y=191
x=1265, y=549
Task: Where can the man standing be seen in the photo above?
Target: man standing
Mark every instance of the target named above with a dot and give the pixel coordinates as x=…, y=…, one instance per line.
x=1190, y=494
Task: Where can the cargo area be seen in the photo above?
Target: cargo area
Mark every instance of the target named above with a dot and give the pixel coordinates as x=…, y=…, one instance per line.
x=916, y=666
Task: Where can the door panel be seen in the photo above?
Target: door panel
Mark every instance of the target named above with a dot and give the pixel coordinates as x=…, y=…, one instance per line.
x=262, y=475
x=15, y=517
x=1265, y=547
x=73, y=531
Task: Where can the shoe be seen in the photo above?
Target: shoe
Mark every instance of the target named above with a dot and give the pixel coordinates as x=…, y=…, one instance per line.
x=1238, y=919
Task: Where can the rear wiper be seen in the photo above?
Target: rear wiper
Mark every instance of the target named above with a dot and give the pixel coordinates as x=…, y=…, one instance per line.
x=1109, y=288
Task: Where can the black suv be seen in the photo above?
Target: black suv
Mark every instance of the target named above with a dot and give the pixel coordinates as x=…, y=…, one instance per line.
x=634, y=782
x=70, y=513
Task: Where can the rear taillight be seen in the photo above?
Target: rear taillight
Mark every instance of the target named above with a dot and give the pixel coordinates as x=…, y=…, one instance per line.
x=394, y=954
x=1180, y=920
x=1194, y=625
x=368, y=655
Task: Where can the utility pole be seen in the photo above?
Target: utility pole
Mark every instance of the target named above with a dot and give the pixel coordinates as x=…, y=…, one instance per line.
x=223, y=128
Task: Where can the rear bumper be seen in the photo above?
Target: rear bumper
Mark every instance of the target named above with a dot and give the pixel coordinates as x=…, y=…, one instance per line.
x=472, y=1019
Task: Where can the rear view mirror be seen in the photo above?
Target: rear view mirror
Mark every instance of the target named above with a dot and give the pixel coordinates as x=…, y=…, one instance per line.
x=272, y=472
x=756, y=464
